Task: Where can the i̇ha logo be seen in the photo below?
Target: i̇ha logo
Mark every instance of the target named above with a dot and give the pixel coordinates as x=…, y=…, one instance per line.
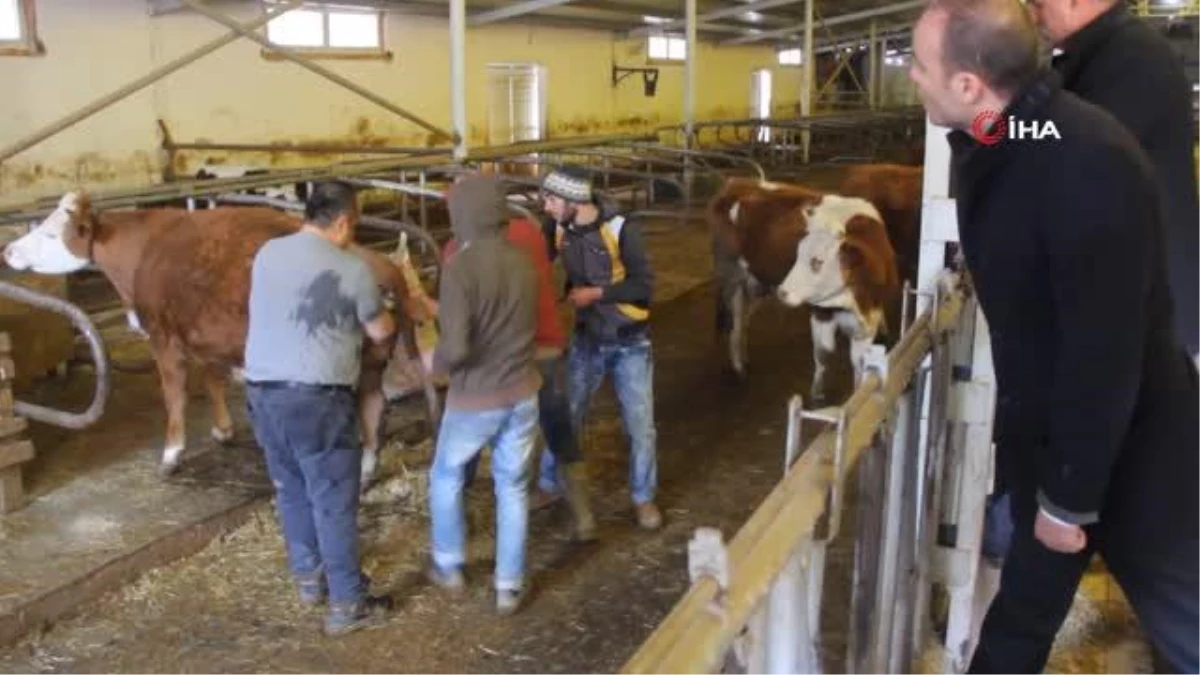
x=989, y=128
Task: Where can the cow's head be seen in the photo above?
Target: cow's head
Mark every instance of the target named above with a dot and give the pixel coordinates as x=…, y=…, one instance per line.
x=831, y=252
x=59, y=244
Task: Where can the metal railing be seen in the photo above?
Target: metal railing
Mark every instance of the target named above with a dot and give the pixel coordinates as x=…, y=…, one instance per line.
x=759, y=597
x=81, y=321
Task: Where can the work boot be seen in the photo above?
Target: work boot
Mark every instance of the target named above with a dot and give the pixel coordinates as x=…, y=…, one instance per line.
x=349, y=617
x=648, y=516
x=574, y=481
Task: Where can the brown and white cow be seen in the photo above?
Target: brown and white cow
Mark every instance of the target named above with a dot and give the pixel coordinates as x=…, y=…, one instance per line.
x=826, y=251
x=184, y=278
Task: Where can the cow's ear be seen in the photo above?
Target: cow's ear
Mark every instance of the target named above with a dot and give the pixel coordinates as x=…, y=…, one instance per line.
x=867, y=253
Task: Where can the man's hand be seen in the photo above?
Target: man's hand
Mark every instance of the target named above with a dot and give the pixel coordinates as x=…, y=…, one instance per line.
x=429, y=305
x=1058, y=536
x=585, y=295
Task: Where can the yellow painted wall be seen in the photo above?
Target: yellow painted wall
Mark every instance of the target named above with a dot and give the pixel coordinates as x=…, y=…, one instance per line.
x=235, y=95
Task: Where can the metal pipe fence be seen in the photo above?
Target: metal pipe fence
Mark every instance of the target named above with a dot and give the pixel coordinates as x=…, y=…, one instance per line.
x=757, y=599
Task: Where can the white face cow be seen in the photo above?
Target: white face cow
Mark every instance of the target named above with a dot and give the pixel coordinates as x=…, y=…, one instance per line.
x=817, y=277
x=45, y=249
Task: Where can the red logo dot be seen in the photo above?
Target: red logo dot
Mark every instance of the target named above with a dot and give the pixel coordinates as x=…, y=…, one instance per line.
x=989, y=127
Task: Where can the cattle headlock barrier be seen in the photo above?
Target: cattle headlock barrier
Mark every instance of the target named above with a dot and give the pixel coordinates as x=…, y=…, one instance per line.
x=914, y=438
x=754, y=602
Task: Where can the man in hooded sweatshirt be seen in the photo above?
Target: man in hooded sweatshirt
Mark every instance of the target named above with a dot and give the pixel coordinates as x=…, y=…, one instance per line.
x=487, y=308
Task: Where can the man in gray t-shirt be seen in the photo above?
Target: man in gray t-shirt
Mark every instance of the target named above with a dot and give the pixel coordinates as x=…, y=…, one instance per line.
x=311, y=302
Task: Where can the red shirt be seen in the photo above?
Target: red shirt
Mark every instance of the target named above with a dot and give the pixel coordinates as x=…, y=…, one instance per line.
x=528, y=237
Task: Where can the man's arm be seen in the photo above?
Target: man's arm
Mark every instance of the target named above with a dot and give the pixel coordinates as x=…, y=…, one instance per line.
x=454, y=317
x=1101, y=261
x=1139, y=97
x=374, y=315
x=638, y=284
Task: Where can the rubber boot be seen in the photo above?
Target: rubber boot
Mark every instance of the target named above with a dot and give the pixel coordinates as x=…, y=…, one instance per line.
x=573, y=479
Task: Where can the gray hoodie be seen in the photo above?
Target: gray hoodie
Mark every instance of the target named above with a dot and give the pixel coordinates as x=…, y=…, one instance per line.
x=487, y=306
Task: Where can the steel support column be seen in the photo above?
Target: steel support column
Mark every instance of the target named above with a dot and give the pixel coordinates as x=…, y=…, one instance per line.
x=458, y=77
x=689, y=95
x=881, y=55
x=873, y=69
x=809, y=66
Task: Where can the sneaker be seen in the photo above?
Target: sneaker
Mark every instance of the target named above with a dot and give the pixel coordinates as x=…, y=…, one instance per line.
x=311, y=589
x=449, y=579
x=347, y=618
x=508, y=601
x=648, y=516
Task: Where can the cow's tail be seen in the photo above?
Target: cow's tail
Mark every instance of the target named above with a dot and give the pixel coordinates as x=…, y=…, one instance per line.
x=722, y=227
x=724, y=246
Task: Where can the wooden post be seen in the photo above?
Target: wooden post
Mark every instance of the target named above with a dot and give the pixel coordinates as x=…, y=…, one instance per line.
x=14, y=451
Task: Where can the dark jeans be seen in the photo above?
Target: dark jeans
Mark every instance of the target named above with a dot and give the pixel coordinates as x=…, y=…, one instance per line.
x=310, y=437
x=554, y=415
x=1037, y=587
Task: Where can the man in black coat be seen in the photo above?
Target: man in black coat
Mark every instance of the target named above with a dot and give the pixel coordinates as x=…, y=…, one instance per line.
x=1123, y=65
x=1098, y=404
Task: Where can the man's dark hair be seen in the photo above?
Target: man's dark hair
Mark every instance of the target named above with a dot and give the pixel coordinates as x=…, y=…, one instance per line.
x=995, y=39
x=327, y=200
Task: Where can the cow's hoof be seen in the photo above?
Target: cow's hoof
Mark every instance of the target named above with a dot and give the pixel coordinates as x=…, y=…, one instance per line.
x=167, y=470
x=222, y=436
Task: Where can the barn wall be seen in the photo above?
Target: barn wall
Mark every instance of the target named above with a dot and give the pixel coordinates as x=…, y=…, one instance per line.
x=236, y=95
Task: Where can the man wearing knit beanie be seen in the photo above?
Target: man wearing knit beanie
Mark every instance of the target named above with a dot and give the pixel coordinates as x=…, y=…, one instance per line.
x=609, y=282
x=487, y=308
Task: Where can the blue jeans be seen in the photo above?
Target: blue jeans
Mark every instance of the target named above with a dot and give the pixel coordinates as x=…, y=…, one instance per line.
x=510, y=432
x=554, y=415
x=310, y=437
x=631, y=364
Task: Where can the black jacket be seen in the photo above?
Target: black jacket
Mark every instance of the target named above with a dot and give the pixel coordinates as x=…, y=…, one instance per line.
x=1124, y=66
x=1097, y=403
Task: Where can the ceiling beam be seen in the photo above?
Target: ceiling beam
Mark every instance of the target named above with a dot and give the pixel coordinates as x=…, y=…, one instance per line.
x=723, y=13
x=855, y=39
x=570, y=16
x=832, y=21
x=513, y=10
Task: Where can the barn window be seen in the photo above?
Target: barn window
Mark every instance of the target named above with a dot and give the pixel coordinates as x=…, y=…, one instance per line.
x=666, y=48
x=18, y=30
x=789, y=57
x=328, y=30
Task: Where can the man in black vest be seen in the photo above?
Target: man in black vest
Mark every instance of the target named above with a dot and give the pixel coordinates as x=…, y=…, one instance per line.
x=1098, y=404
x=609, y=282
x=1120, y=63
